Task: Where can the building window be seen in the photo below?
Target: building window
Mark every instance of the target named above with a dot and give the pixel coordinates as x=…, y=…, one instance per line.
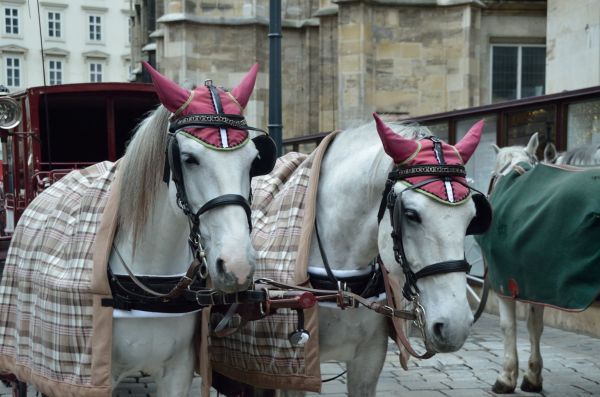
x=518, y=71
x=55, y=71
x=95, y=27
x=96, y=72
x=13, y=72
x=54, y=25
x=11, y=21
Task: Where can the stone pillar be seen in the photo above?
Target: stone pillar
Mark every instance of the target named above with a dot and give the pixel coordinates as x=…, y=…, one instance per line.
x=355, y=63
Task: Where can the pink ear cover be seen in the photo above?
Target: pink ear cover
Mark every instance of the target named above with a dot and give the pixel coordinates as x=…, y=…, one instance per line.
x=174, y=97
x=409, y=152
x=466, y=147
x=394, y=144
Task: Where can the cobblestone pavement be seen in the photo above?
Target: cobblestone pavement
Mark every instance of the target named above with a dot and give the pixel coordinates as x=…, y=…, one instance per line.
x=571, y=368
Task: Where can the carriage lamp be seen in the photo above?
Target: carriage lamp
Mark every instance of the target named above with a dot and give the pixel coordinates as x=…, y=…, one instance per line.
x=10, y=112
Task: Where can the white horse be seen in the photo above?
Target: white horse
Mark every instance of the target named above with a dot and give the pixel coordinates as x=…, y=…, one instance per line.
x=354, y=172
x=506, y=381
x=153, y=238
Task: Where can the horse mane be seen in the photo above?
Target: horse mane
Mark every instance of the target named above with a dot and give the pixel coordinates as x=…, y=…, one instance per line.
x=142, y=169
x=583, y=155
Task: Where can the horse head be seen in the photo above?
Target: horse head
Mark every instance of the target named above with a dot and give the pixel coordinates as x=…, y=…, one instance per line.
x=509, y=156
x=432, y=209
x=211, y=156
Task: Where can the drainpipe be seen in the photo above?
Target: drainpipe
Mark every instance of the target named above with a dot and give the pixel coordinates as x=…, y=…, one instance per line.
x=275, y=122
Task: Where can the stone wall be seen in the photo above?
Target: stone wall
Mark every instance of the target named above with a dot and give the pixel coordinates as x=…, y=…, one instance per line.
x=222, y=40
x=406, y=60
x=573, y=49
x=344, y=59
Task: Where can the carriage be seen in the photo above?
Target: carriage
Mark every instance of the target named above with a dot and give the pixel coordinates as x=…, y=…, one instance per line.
x=61, y=128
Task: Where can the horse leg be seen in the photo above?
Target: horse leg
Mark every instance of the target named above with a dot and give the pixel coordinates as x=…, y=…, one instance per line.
x=176, y=376
x=532, y=381
x=364, y=369
x=507, y=380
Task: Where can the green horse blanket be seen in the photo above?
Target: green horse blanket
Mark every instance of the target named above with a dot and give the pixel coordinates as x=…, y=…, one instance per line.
x=544, y=242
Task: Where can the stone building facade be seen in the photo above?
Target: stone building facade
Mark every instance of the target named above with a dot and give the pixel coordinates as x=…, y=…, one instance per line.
x=344, y=59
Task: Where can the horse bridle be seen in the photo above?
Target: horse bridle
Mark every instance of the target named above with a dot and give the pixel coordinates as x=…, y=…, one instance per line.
x=263, y=164
x=393, y=202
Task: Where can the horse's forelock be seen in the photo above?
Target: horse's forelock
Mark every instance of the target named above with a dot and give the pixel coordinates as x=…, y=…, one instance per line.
x=141, y=171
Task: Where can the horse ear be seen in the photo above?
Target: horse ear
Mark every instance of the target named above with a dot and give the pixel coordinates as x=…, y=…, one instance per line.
x=533, y=144
x=243, y=91
x=170, y=94
x=496, y=148
x=467, y=145
x=550, y=153
x=396, y=146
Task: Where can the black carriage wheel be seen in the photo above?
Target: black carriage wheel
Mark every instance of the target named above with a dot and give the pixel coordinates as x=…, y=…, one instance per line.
x=477, y=299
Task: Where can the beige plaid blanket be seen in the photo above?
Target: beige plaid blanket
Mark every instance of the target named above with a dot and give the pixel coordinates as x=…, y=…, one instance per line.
x=283, y=212
x=48, y=302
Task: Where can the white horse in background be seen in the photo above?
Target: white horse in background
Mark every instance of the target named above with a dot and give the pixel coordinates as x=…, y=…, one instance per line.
x=532, y=379
x=354, y=172
x=506, y=158
x=153, y=235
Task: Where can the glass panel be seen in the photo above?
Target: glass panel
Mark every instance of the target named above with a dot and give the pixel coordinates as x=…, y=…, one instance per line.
x=480, y=165
x=583, y=124
x=21, y=168
x=30, y=164
x=533, y=71
x=504, y=73
x=479, y=170
x=7, y=157
x=521, y=125
x=439, y=129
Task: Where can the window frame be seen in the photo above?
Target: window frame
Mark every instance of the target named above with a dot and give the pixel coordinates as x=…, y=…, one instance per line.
x=61, y=71
x=55, y=22
x=519, y=71
x=12, y=18
x=97, y=30
x=91, y=73
x=19, y=69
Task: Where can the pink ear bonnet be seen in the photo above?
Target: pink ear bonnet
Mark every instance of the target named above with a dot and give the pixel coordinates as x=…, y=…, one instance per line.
x=208, y=113
x=432, y=151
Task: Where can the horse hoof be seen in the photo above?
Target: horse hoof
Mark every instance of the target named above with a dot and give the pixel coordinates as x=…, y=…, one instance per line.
x=529, y=387
x=501, y=388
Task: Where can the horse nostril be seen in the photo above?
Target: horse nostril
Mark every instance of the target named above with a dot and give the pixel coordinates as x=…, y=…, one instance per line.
x=438, y=330
x=220, y=265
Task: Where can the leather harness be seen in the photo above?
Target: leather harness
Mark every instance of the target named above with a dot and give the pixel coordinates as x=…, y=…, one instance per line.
x=172, y=294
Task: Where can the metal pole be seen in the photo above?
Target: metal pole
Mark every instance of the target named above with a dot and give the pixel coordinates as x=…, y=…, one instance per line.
x=275, y=122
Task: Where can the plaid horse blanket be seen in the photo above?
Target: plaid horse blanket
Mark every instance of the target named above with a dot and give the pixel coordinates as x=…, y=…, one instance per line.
x=283, y=213
x=543, y=244
x=51, y=319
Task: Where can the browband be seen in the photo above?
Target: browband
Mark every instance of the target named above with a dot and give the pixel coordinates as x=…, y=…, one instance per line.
x=212, y=120
x=438, y=170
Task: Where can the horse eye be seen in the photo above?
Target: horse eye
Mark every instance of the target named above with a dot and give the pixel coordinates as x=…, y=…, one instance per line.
x=412, y=215
x=191, y=160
